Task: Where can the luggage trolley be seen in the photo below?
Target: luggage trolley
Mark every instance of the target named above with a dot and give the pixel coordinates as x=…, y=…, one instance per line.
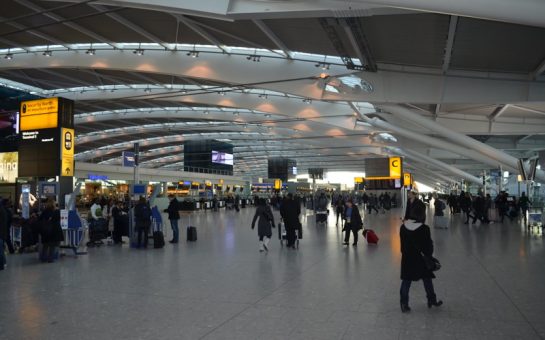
x=535, y=218
x=321, y=216
x=283, y=235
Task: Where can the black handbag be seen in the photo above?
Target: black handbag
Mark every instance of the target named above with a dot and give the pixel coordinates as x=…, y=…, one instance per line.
x=432, y=263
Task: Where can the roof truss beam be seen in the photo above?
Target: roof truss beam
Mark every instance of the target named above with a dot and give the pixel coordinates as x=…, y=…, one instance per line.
x=127, y=23
x=200, y=31
x=356, y=35
x=62, y=20
x=450, y=42
x=274, y=38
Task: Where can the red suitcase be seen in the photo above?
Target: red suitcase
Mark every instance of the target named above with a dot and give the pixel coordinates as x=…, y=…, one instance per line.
x=370, y=236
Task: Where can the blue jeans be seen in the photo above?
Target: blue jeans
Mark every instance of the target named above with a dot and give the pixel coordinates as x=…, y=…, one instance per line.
x=406, y=285
x=2, y=255
x=175, y=230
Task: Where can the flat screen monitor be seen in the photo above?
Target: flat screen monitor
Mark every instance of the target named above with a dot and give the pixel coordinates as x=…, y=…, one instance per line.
x=222, y=158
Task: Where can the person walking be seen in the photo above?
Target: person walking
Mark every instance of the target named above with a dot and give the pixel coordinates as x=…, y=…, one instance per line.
x=290, y=210
x=416, y=242
x=524, y=204
x=339, y=210
x=173, y=211
x=9, y=218
x=353, y=222
x=465, y=205
x=372, y=204
x=4, y=230
x=142, y=216
x=479, y=209
x=50, y=231
x=265, y=224
x=120, y=218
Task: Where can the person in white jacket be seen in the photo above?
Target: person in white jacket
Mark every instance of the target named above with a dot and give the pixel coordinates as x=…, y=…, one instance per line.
x=96, y=210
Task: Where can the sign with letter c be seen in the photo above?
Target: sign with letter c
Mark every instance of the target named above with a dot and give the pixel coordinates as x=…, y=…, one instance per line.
x=395, y=167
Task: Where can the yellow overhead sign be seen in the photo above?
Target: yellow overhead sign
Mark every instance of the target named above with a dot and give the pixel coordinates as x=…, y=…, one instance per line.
x=358, y=180
x=39, y=114
x=67, y=152
x=395, y=167
x=407, y=179
x=277, y=184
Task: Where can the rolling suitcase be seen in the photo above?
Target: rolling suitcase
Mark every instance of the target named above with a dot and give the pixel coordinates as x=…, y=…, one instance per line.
x=158, y=239
x=370, y=236
x=440, y=222
x=191, y=234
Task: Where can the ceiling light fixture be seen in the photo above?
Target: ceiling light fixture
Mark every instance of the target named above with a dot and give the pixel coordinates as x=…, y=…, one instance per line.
x=47, y=53
x=91, y=51
x=254, y=58
x=138, y=51
x=322, y=65
x=193, y=54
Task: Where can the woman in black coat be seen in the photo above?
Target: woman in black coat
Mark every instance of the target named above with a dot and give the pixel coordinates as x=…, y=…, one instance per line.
x=50, y=231
x=352, y=222
x=415, y=242
x=265, y=224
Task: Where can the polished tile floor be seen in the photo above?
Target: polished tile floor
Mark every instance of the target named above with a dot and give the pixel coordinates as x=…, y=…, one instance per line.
x=221, y=287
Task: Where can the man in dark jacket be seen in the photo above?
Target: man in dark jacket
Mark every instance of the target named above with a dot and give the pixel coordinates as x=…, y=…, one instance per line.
x=4, y=230
x=120, y=222
x=353, y=222
x=174, y=217
x=142, y=217
x=479, y=208
x=465, y=204
x=290, y=211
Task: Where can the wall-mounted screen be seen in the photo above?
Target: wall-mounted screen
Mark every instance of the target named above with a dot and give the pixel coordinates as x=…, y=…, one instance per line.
x=222, y=158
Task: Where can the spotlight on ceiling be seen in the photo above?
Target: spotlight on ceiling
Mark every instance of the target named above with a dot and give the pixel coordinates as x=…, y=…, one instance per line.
x=138, y=51
x=47, y=53
x=8, y=56
x=254, y=57
x=91, y=51
x=193, y=54
x=322, y=65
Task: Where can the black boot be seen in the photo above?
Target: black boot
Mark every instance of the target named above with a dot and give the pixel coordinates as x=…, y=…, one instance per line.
x=434, y=302
x=405, y=308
